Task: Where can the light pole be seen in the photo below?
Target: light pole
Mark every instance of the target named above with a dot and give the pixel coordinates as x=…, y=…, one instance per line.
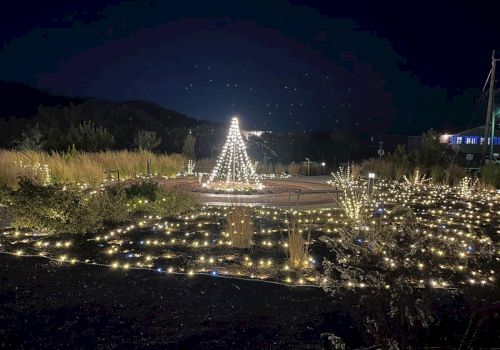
x=308, y=161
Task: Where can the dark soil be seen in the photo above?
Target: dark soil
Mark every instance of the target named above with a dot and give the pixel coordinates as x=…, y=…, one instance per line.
x=47, y=305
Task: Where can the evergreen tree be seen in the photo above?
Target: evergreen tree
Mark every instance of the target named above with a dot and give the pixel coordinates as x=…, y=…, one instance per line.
x=32, y=139
x=188, y=148
x=146, y=140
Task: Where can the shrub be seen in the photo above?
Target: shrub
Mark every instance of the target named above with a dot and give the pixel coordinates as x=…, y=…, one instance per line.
x=490, y=175
x=162, y=202
x=454, y=174
x=366, y=270
x=143, y=189
x=146, y=140
x=58, y=208
x=239, y=227
x=437, y=173
x=384, y=168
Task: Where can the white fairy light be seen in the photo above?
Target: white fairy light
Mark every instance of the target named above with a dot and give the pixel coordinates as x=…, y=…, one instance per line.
x=234, y=169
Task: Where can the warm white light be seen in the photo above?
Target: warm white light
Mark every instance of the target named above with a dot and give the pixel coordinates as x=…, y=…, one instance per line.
x=233, y=167
x=371, y=175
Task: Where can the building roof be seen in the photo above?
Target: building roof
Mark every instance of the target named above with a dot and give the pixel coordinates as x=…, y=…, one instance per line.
x=477, y=131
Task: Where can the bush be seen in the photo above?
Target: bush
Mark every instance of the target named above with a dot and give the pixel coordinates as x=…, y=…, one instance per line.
x=490, y=175
x=149, y=198
x=454, y=174
x=64, y=209
x=143, y=189
x=383, y=168
x=437, y=173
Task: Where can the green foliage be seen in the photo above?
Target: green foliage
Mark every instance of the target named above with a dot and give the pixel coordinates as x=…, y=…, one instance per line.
x=454, y=173
x=143, y=189
x=490, y=175
x=32, y=139
x=146, y=140
x=437, y=173
x=62, y=209
x=384, y=168
x=149, y=198
x=430, y=159
x=378, y=297
x=401, y=162
x=4, y=194
x=431, y=150
x=188, y=148
x=88, y=137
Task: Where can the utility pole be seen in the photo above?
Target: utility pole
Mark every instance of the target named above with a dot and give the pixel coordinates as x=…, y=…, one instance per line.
x=489, y=111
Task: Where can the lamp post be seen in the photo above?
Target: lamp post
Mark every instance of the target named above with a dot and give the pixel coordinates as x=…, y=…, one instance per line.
x=308, y=161
x=371, y=183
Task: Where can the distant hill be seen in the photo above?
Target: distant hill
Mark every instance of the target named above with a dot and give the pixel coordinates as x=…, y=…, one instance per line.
x=23, y=107
x=22, y=101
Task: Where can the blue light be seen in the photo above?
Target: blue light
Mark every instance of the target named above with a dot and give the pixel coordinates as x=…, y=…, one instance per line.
x=214, y=273
x=158, y=269
x=141, y=242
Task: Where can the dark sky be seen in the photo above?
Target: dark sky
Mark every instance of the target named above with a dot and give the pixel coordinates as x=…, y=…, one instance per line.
x=398, y=67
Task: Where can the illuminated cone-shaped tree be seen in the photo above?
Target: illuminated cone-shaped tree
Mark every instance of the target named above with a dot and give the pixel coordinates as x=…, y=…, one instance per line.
x=234, y=169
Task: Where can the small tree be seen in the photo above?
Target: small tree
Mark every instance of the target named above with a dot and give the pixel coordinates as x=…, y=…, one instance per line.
x=431, y=150
x=188, y=148
x=146, y=140
x=88, y=137
x=32, y=139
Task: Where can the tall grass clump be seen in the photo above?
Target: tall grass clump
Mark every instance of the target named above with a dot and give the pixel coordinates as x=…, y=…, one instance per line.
x=83, y=167
x=384, y=168
x=298, y=251
x=490, y=175
x=239, y=226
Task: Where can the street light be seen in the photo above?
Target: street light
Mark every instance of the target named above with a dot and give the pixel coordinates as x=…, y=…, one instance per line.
x=308, y=161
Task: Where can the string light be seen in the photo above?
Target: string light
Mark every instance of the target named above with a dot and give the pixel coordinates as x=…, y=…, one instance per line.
x=233, y=169
x=456, y=252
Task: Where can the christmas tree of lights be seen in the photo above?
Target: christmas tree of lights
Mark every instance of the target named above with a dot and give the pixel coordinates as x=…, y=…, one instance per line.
x=233, y=169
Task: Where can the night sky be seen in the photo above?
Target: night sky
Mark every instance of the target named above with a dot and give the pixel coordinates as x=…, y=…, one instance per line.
x=395, y=67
